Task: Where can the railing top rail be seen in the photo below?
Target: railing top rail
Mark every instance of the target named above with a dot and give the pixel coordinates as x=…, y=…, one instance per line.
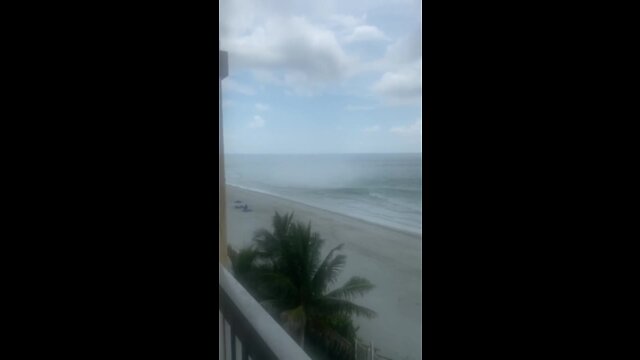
x=278, y=341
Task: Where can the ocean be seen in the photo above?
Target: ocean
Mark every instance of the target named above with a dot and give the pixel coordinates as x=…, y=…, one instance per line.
x=380, y=188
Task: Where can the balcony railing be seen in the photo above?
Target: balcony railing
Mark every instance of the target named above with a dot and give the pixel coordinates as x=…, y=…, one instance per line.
x=247, y=331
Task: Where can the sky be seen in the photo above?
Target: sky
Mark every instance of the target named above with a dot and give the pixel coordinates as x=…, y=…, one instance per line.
x=322, y=76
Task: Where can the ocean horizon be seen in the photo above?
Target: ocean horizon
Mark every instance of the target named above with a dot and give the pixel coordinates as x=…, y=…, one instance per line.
x=383, y=188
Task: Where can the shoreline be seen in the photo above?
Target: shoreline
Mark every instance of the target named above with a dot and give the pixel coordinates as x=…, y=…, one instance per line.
x=389, y=258
x=404, y=231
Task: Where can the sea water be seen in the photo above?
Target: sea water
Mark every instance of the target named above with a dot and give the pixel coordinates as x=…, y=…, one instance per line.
x=380, y=188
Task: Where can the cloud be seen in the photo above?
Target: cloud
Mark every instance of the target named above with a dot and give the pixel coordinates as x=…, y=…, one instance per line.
x=407, y=49
x=293, y=45
x=366, y=33
x=232, y=85
x=374, y=128
x=257, y=122
x=403, y=86
x=414, y=129
x=403, y=51
x=304, y=47
x=262, y=107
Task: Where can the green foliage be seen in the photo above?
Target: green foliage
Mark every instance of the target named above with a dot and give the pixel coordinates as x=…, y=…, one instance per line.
x=284, y=270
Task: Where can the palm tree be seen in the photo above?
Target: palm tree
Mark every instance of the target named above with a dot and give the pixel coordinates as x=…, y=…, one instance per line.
x=287, y=273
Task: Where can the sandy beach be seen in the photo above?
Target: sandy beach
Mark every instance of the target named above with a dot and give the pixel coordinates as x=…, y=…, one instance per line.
x=389, y=258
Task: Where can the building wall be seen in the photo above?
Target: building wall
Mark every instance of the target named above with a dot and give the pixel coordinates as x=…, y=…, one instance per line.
x=222, y=223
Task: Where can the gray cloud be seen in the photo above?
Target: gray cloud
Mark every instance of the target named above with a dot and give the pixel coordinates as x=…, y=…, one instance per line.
x=291, y=45
x=300, y=45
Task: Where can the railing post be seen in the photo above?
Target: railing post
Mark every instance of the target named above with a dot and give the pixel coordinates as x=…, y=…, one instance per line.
x=371, y=344
x=232, y=336
x=224, y=339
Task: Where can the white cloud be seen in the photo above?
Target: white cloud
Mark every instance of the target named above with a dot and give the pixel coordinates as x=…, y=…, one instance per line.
x=402, y=52
x=257, y=122
x=293, y=45
x=414, y=129
x=304, y=48
x=262, y=107
x=374, y=128
x=366, y=33
x=403, y=86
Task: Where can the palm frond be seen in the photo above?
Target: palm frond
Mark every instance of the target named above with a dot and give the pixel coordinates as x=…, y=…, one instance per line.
x=276, y=285
x=329, y=336
x=306, y=246
x=294, y=319
x=288, y=275
x=243, y=260
x=356, y=286
x=265, y=241
x=332, y=305
x=281, y=224
x=316, y=249
x=273, y=306
x=329, y=269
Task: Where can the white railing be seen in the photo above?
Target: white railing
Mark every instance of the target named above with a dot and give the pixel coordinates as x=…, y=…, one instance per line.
x=247, y=331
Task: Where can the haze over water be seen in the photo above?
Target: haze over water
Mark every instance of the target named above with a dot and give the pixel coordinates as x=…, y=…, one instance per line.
x=380, y=188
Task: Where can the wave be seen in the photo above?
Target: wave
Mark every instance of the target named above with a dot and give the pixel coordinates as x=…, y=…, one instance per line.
x=398, y=198
x=380, y=188
x=398, y=203
x=373, y=208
